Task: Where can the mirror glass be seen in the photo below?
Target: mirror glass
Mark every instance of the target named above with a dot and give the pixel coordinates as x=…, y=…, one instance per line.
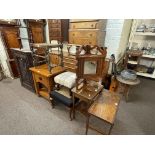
x=90, y=67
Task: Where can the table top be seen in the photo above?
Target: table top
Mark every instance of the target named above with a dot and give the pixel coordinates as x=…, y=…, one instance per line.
x=43, y=70
x=105, y=106
x=128, y=82
x=87, y=93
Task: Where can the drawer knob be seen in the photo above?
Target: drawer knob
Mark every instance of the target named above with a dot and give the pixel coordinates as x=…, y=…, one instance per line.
x=73, y=34
x=91, y=35
x=40, y=78
x=92, y=25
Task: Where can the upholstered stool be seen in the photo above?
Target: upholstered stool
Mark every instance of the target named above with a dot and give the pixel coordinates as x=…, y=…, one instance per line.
x=61, y=96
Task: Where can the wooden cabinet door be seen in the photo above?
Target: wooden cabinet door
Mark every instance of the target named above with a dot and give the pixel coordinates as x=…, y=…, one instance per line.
x=11, y=39
x=24, y=61
x=37, y=34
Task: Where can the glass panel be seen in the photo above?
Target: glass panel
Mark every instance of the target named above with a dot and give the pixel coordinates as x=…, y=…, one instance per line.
x=90, y=67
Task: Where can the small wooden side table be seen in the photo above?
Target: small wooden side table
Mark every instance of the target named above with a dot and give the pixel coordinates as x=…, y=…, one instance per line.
x=42, y=76
x=127, y=84
x=86, y=95
x=105, y=108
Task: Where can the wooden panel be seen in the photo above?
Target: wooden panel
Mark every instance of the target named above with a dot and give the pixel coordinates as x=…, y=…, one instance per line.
x=14, y=68
x=83, y=20
x=37, y=34
x=84, y=34
x=105, y=106
x=41, y=79
x=11, y=40
x=24, y=61
x=84, y=25
x=55, y=32
x=83, y=41
x=58, y=29
x=55, y=59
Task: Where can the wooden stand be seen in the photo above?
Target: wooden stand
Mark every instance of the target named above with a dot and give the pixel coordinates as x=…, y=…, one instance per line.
x=105, y=108
x=44, y=80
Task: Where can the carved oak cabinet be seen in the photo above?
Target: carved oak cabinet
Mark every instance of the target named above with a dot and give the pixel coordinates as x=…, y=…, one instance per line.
x=24, y=61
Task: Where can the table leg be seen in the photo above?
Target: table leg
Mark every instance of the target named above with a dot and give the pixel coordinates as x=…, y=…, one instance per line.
x=87, y=124
x=111, y=127
x=73, y=106
x=126, y=92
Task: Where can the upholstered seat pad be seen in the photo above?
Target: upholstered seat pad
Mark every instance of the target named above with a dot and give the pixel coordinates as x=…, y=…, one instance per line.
x=66, y=79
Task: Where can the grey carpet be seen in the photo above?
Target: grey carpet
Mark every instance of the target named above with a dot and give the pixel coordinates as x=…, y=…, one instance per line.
x=22, y=112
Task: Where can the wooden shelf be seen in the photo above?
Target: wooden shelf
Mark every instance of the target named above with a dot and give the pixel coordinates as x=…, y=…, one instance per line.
x=148, y=56
x=132, y=62
x=144, y=34
x=147, y=75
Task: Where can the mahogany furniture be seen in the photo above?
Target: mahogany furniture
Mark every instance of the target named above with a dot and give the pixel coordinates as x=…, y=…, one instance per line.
x=24, y=61
x=87, y=32
x=10, y=35
x=90, y=64
x=105, y=108
x=58, y=29
x=127, y=85
x=44, y=80
x=87, y=94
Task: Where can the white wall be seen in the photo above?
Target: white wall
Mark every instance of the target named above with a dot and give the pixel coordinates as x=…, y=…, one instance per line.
x=117, y=33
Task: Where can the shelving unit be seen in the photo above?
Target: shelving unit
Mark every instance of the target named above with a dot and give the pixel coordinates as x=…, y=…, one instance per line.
x=142, y=38
x=144, y=34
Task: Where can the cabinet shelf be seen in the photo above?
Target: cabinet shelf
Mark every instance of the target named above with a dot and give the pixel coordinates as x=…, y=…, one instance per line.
x=148, y=56
x=144, y=34
x=147, y=75
x=132, y=62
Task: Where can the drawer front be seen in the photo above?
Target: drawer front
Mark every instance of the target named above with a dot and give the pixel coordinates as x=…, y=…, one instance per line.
x=41, y=79
x=69, y=60
x=84, y=25
x=83, y=34
x=83, y=41
x=69, y=65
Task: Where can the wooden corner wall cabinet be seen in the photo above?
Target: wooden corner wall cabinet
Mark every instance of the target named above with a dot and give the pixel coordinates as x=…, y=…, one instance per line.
x=44, y=80
x=24, y=61
x=87, y=32
x=58, y=29
x=10, y=37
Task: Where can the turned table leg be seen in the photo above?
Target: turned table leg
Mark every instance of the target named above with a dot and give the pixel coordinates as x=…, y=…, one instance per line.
x=87, y=124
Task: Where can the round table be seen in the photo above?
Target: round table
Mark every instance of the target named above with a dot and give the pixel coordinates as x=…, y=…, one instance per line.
x=127, y=84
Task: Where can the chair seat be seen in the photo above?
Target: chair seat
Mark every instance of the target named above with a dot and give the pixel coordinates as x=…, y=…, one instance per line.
x=66, y=79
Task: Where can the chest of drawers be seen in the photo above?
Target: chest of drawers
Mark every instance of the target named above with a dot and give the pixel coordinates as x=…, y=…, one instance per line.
x=91, y=32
